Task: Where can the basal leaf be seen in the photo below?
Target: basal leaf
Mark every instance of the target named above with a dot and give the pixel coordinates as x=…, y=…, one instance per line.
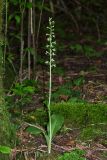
x=56, y=123
x=34, y=130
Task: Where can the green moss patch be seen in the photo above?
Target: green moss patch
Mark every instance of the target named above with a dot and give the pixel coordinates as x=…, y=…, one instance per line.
x=77, y=114
x=81, y=113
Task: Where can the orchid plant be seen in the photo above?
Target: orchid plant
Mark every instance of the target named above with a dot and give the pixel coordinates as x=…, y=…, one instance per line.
x=55, y=121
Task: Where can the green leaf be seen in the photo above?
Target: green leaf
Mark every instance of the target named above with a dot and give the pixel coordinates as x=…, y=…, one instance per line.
x=30, y=49
x=17, y=18
x=29, y=89
x=56, y=123
x=34, y=130
x=79, y=81
x=5, y=150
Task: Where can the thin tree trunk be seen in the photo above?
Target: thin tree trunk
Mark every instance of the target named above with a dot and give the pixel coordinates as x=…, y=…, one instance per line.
x=21, y=45
x=33, y=39
x=29, y=40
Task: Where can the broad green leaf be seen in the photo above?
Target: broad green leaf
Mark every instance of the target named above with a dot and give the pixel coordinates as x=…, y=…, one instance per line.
x=56, y=123
x=34, y=130
x=5, y=149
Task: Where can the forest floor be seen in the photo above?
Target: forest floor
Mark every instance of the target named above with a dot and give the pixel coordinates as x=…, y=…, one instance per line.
x=92, y=84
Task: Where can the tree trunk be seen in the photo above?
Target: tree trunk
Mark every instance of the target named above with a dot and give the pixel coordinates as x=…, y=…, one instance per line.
x=5, y=126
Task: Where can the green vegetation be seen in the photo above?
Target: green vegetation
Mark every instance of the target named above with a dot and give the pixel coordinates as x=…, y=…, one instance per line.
x=87, y=50
x=81, y=113
x=22, y=94
x=74, y=155
x=76, y=113
x=57, y=80
x=67, y=90
x=5, y=150
x=90, y=119
x=93, y=132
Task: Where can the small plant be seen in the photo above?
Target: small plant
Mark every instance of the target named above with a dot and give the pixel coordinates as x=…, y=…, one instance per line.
x=79, y=81
x=5, y=149
x=55, y=121
x=5, y=152
x=67, y=90
x=74, y=155
x=87, y=50
x=22, y=93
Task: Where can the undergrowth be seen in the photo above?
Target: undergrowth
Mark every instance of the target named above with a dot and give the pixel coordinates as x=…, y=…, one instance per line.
x=90, y=119
x=79, y=114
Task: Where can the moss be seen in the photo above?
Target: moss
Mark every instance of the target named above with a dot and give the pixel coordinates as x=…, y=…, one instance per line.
x=81, y=113
x=74, y=155
x=90, y=133
x=77, y=114
x=39, y=116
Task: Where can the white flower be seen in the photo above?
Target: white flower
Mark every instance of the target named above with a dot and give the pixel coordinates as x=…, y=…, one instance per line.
x=46, y=52
x=46, y=62
x=54, y=65
x=51, y=43
x=52, y=60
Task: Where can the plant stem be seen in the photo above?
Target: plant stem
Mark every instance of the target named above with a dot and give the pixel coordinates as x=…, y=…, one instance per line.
x=50, y=92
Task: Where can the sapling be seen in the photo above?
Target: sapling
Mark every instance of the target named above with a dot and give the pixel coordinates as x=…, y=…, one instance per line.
x=55, y=121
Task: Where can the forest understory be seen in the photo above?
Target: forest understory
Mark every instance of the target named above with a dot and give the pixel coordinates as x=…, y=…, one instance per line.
x=77, y=80
x=53, y=80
